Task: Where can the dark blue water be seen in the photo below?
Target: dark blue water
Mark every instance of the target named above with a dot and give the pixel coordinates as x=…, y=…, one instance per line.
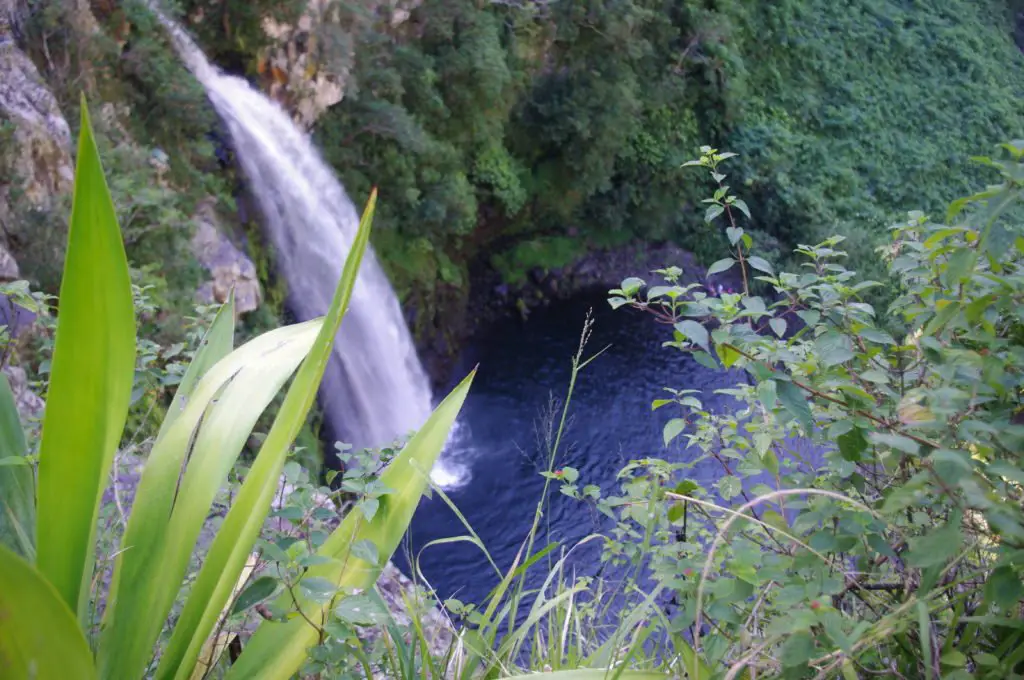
x=524, y=370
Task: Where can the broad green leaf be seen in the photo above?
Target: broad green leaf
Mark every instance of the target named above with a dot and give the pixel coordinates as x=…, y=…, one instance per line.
x=240, y=528
x=17, y=483
x=875, y=335
x=734, y=234
x=760, y=264
x=721, y=266
x=1004, y=587
x=255, y=592
x=278, y=650
x=792, y=399
x=39, y=634
x=895, y=441
x=937, y=546
x=713, y=212
x=778, y=325
x=833, y=348
x=742, y=205
x=162, y=532
x=216, y=344
x=695, y=333
x=672, y=429
x=90, y=382
x=852, y=444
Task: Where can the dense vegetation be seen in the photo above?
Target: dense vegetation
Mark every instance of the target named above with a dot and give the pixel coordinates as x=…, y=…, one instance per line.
x=519, y=135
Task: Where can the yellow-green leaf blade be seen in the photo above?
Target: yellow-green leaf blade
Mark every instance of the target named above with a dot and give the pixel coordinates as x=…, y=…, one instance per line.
x=39, y=636
x=162, y=531
x=216, y=344
x=241, y=526
x=277, y=650
x=90, y=385
x=17, y=483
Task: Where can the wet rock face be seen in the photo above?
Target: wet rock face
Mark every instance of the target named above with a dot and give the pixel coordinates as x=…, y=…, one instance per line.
x=35, y=154
x=228, y=266
x=301, y=71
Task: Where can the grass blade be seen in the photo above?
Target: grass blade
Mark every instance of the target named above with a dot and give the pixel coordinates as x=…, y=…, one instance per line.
x=17, y=483
x=277, y=650
x=39, y=635
x=241, y=526
x=162, y=531
x=91, y=380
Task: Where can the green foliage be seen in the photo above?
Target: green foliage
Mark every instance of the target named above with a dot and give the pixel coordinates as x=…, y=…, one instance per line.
x=487, y=126
x=218, y=401
x=895, y=548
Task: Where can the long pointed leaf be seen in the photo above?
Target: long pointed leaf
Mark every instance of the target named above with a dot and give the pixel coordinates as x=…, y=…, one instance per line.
x=277, y=650
x=17, y=484
x=90, y=383
x=216, y=344
x=242, y=525
x=39, y=635
x=166, y=522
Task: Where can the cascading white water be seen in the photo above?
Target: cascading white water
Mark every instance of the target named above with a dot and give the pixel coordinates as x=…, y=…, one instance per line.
x=375, y=388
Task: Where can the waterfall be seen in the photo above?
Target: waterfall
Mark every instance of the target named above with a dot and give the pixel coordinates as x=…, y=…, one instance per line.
x=374, y=388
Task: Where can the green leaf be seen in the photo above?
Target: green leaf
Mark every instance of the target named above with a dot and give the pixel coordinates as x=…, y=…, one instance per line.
x=694, y=332
x=90, y=382
x=721, y=266
x=17, y=483
x=238, y=533
x=961, y=265
x=797, y=650
x=852, y=444
x=318, y=585
x=278, y=650
x=778, y=325
x=162, y=532
x=734, y=234
x=743, y=207
x=937, y=546
x=1004, y=588
x=760, y=264
x=833, y=348
x=39, y=636
x=256, y=592
x=713, y=212
x=875, y=335
x=953, y=659
x=924, y=632
x=658, y=403
x=730, y=487
x=366, y=551
x=895, y=441
x=942, y=317
x=792, y=399
x=728, y=355
x=673, y=428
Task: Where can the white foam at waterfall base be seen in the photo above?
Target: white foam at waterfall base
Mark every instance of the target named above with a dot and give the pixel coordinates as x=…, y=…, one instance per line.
x=374, y=388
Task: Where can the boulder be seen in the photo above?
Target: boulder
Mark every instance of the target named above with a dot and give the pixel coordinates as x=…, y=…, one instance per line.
x=30, y=405
x=228, y=266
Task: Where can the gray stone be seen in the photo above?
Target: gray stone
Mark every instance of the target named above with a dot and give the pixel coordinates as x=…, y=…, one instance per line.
x=228, y=266
x=8, y=266
x=30, y=405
